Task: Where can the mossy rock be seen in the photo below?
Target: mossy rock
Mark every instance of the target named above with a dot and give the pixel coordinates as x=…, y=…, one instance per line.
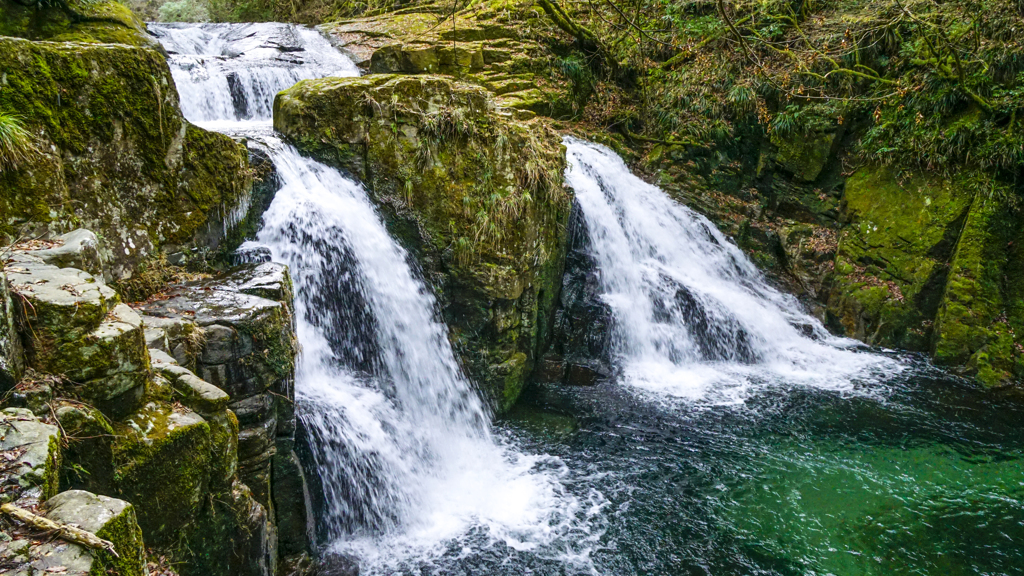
x=980, y=324
x=124, y=163
x=109, y=518
x=107, y=22
x=88, y=462
x=12, y=361
x=162, y=457
x=39, y=465
x=894, y=254
x=473, y=193
x=233, y=534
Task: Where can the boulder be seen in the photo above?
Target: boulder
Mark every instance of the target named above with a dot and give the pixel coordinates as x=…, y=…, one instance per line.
x=101, y=21
x=894, y=254
x=114, y=152
x=109, y=518
x=197, y=394
x=292, y=503
x=161, y=459
x=473, y=193
x=61, y=305
x=77, y=249
x=484, y=45
x=12, y=362
x=88, y=458
x=234, y=535
x=32, y=451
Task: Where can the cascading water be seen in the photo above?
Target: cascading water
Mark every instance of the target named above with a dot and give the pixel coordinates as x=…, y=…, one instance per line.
x=410, y=468
x=226, y=73
x=693, y=317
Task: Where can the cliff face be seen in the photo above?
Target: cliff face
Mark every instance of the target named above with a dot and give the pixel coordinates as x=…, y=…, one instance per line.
x=112, y=152
x=474, y=191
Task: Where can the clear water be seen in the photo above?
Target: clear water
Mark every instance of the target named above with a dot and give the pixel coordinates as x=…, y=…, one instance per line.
x=740, y=437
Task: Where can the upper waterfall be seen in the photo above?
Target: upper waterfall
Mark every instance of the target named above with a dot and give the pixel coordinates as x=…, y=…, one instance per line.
x=692, y=314
x=231, y=72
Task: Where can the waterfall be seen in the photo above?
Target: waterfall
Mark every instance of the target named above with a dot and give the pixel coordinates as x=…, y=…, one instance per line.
x=692, y=315
x=226, y=73
x=410, y=467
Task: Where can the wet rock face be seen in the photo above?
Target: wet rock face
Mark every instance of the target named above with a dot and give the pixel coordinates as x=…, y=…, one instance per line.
x=475, y=195
x=113, y=153
x=580, y=351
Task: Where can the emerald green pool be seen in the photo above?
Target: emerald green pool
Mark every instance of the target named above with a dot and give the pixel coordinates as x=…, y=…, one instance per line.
x=923, y=474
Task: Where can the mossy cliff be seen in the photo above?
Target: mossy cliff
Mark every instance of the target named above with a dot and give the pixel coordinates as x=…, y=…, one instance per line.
x=112, y=152
x=475, y=193
x=97, y=21
x=506, y=47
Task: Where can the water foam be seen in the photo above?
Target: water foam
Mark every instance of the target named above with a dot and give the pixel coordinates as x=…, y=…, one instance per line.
x=693, y=318
x=403, y=446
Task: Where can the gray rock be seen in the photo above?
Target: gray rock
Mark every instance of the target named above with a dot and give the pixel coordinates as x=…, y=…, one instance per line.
x=34, y=452
x=255, y=410
x=108, y=518
x=267, y=280
x=63, y=304
x=79, y=249
x=12, y=363
x=197, y=394
x=292, y=502
x=220, y=344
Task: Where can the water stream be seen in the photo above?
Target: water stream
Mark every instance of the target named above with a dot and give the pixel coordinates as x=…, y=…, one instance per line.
x=738, y=438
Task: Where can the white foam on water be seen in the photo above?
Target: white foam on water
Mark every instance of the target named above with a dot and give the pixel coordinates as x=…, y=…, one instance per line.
x=406, y=453
x=401, y=441
x=233, y=71
x=693, y=317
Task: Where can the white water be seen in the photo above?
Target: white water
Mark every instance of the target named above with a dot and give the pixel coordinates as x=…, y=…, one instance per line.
x=409, y=465
x=692, y=316
x=231, y=72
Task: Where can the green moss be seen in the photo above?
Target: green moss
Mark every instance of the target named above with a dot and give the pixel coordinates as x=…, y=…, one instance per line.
x=476, y=195
x=126, y=535
x=162, y=466
x=891, y=266
x=983, y=309
x=140, y=175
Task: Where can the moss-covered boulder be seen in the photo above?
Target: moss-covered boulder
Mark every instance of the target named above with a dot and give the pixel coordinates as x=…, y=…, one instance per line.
x=894, y=255
x=113, y=152
x=12, y=362
x=473, y=192
x=97, y=21
x=162, y=466
x=73, y=326
x=503, y=46
x=109, y=518
x=35, y=449
x=980, y=323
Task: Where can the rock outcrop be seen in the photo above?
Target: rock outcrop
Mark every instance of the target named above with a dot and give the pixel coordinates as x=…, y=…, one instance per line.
x=141, y=425
x=113, y=153
x=471, y=190
x=493, y=44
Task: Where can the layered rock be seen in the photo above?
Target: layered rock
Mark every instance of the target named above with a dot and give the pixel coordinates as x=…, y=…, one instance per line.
x=492, y=44
x=474, y=193
x=112, y=152
x=236, y=332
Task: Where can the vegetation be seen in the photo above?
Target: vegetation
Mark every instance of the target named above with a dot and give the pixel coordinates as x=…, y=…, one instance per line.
x=15, y=142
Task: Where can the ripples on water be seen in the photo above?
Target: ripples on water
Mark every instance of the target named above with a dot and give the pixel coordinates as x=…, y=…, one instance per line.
x=732, y=443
